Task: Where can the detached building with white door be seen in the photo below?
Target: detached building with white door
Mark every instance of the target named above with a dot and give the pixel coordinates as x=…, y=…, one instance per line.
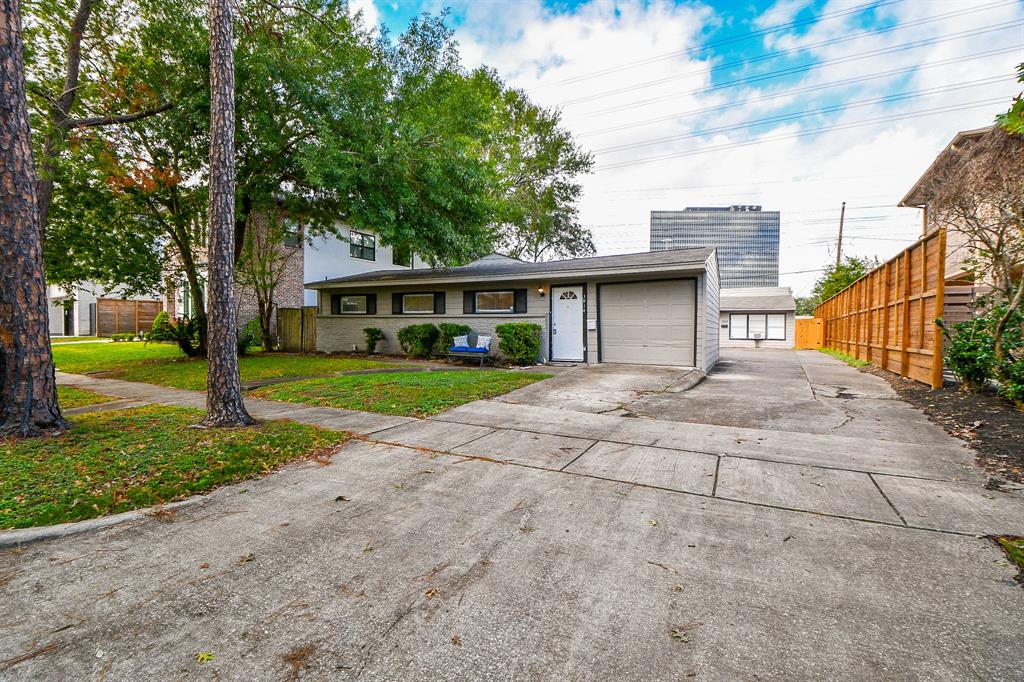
x=758, y=317
x=657, y=308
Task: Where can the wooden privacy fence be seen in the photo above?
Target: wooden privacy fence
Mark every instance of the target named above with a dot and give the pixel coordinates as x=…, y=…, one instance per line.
x=117, y=316
x=296, y=329
x=809, y=332
x=887, y=317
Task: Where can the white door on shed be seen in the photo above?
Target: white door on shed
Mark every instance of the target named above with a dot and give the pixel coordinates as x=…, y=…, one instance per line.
x=649, y=323
x=567, y=323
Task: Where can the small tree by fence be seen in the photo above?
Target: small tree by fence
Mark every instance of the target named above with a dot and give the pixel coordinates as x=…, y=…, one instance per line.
x=888, y=316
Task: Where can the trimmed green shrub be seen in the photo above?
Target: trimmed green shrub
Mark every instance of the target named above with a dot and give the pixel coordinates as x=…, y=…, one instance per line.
x=449, y=331
x=1013, y=385
x=519, y=342
x=249, y=336
x=417, y=340
x=373, y=336
x=970, y=354
x=160, y=323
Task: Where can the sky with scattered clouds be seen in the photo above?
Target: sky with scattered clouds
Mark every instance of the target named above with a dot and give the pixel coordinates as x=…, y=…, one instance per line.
x=796, y=105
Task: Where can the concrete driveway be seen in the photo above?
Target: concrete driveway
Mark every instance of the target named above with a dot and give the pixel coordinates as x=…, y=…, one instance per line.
x=512, y=539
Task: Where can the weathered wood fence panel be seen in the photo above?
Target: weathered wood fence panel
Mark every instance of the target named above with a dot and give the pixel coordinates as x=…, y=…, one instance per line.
x=887, y=317
x=118, y=316
x=296, y=329
x=809, y=333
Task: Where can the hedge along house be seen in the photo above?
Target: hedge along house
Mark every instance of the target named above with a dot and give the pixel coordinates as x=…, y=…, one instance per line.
x=758, y=317
x=654, y=308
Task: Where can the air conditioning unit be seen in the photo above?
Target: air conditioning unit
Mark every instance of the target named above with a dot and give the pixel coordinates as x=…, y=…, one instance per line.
x=758, y=336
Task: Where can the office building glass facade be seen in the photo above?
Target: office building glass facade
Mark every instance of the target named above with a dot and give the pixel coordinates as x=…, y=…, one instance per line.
x=746, y=237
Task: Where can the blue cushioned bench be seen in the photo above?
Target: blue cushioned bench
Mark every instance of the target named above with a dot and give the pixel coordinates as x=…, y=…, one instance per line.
x=470, y=350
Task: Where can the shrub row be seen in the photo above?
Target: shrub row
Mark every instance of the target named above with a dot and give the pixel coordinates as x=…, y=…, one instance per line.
x=519, y=342
x=971, y=353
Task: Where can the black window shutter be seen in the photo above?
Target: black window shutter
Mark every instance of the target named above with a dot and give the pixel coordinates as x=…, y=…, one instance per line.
x=520, y=305
x=396, y=304
x=468, y=302
x=439, y=303
x=335, y=304
x=371, y=304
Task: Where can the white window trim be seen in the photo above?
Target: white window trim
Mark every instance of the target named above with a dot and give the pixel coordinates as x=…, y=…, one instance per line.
x=764, y=316
x=364, y=311
x=497, y=311
x=405, y=308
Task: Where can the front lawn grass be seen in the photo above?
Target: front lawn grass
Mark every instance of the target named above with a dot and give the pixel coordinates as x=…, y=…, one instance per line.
x=408, y=394
x=71, y=397
x=165, y=365
x=115, y=461
x=848, y=359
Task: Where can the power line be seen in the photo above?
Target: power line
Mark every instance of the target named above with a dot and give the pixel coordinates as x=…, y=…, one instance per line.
x=788, y=51
x=782, y=118
x=803, y=68
x=717, y=43
x=885, y=119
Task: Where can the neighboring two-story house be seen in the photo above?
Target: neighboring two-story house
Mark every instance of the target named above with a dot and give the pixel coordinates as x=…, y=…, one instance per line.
x=962, y=286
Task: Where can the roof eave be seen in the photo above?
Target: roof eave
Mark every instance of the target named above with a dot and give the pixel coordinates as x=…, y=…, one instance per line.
x=661, y=268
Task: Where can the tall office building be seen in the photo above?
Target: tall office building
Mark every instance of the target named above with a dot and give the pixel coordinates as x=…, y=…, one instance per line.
x=746, y=237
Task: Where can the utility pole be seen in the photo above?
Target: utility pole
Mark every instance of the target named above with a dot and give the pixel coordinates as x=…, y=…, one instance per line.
x=839, y=246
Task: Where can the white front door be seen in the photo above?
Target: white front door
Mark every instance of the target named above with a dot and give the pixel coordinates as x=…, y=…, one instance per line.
x=567, y=323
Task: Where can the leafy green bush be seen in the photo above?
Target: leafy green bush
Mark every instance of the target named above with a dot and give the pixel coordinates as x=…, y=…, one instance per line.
x=160, y=323
x=1012, y=385
x=970, y=354
x=126, y=336
x=519, y=342
x=186, y=332
x=417, y=340
x=373, y=336
x=449, y=331
x=249, y=336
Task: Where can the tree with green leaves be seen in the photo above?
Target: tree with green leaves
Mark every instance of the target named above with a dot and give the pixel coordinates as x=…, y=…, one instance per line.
x=834, y=278
x=1013, y=120
x=537, y=163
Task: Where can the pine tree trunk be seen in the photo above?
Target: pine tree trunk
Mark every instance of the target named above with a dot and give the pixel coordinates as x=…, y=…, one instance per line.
x=224, y=391
x=28, y=389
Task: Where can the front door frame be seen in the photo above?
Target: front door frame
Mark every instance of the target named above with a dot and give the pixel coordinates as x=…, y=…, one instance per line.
x=551, y=319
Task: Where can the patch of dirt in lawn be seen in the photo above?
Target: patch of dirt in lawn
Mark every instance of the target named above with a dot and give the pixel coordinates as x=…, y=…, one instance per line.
x=991, y=425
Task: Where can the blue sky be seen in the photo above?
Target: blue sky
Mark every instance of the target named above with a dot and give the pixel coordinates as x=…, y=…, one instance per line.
x=682, y=105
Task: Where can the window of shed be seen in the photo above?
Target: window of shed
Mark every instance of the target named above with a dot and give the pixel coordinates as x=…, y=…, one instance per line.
x=418, y=303
x=495, y=301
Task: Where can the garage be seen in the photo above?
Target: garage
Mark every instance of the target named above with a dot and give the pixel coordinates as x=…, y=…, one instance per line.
x=649, y=323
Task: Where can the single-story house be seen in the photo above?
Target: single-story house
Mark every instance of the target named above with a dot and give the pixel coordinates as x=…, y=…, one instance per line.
x=652, y=308
x=758, y=317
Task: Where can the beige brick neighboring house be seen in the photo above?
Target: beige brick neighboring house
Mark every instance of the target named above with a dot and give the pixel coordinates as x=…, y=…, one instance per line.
x=958, y=246
x=350, y=251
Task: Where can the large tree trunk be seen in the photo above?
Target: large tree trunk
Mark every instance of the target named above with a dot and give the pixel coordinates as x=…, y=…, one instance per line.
x=224, y=391
x=28, y=389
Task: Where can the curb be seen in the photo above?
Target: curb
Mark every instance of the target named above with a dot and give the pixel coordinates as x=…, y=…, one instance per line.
x=690, y=380
x=23, y=536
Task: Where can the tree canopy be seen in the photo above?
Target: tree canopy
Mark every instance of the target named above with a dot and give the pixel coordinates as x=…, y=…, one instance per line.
x=834, y=278
x=336, y=124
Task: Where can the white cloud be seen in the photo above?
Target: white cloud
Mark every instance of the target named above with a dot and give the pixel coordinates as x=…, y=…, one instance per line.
x=371, y=15
x=554, y=55
x=782, y=12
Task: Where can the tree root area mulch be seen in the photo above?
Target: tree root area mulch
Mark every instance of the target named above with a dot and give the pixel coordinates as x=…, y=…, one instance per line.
x=991, y=425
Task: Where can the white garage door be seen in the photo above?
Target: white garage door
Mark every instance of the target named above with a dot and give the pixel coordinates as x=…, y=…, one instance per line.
x=648, y=323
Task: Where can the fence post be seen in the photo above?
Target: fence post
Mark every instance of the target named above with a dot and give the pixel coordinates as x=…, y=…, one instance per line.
x=905, y=335
x=940, y=305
